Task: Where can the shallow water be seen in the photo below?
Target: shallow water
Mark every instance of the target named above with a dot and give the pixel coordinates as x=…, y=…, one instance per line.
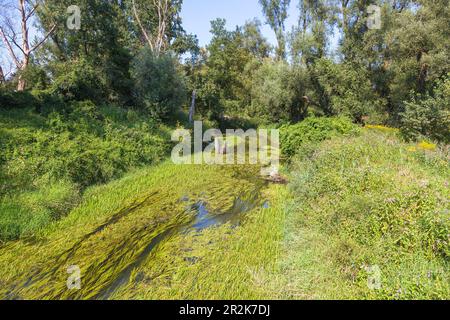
x=203, y=219
x=104, y=273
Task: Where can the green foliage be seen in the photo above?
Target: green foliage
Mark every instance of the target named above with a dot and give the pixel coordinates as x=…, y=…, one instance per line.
x=429, y=115
x=276, y=13
x=36, y=77
x=277, y=92
x=159, y=86
x=347, y=89
x=418, y=51
x=175, y=37
x=254, y=41
x=222, y=76
x=47, y=102
x=13, y=100
x=93, y=62
x=42, y=101
x=78, y=80
x=368, y=201
x=312, y=131
x=70, y=150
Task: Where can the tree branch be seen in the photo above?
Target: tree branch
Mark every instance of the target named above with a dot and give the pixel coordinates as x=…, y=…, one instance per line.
x=44, y=39
x=10, y=49
x=13, y=40
x=30, y=14
x=138, y=20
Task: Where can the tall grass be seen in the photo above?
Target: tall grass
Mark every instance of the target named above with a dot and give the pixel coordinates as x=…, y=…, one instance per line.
x=115, y=222
x=367, y=204
x=218, y=263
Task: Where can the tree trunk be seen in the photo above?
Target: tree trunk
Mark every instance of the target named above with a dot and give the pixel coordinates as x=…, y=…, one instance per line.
x=192, y=109
x=423, y=73
x=281, y=48
x=2, y=76
x=21, y=84
x=25, y=46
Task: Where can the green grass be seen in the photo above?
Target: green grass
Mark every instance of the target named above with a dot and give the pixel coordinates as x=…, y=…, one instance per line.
x=219, y=263
x=353, y=203
x=362, y=202
x=115, y=222
x=46, y=162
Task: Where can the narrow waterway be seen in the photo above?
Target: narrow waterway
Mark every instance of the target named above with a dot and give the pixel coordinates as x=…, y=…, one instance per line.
x=133, y=239
x=202, y=220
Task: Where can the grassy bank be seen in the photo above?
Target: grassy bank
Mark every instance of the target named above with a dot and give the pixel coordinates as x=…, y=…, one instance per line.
x=48, y=160
x=369, y=220
x=364, y=216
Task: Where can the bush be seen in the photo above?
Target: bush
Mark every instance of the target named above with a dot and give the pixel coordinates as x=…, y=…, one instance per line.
x=277, y=93
x=428, y=115
x=82, y=146
x=312, y=130
x=47, y=102
x=78, y=80
x=158, y=85
x=12, y=100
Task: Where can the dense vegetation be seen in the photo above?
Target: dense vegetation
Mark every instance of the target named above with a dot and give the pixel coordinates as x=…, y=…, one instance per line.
x=85, y=121
x=47, y=162
x=370, y=201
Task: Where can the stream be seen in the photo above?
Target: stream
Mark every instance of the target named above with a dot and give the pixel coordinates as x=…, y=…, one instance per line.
x=203, y=219
x=107, y=272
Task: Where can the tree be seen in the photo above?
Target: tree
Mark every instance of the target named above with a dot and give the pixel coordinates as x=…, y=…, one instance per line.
x=254, y=41
x=157, y=23
x=16, y=39
x=310, y=39
x=428, y=115
x=220, y=83
x=159, y=87
x=276, y=15
x=419, y=51
x=277, y=92
x=347, y=90
x=102, y=42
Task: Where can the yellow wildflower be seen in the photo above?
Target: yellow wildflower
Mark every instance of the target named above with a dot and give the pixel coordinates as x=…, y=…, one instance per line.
x=427, y=146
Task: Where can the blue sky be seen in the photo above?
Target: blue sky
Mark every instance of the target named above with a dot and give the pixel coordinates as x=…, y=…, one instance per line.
x=197, y=15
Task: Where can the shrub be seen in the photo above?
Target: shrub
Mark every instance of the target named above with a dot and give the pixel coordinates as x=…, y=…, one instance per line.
x=47, y=102
x=82, y=146
x=158, y=85
x=78, y=80
x=312, y=130
x=428, y=115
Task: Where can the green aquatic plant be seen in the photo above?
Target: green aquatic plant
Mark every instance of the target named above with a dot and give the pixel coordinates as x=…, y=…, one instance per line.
x=114, y=227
